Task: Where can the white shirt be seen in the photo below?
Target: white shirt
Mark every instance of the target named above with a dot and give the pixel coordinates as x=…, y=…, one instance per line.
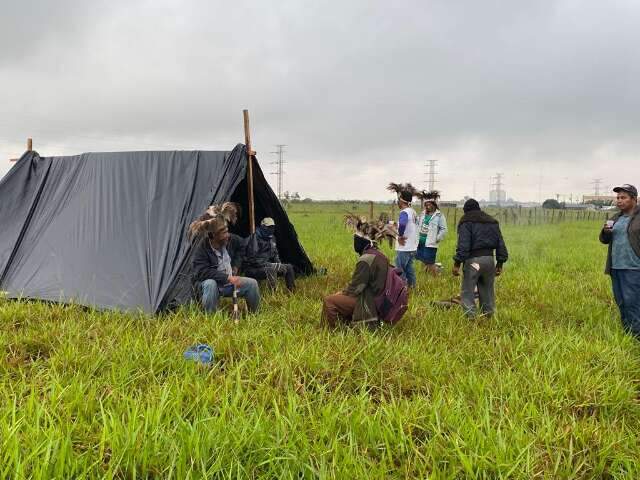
x=410, y=232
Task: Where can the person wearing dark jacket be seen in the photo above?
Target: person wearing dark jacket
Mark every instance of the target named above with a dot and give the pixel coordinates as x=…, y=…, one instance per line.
x=261, y=259
x=356, y=303
x=622, y=234
x=478, y=237
x=216, y=260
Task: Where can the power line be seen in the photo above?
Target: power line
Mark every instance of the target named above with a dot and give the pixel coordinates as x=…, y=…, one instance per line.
x=498, y=187
x=596, y=186
x=430, y=174
x=279, y=167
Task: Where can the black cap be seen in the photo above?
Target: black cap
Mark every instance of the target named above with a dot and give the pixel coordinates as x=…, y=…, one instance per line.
x=630, y=189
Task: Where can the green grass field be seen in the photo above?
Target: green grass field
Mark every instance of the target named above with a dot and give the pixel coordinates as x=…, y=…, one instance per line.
x=548, y=388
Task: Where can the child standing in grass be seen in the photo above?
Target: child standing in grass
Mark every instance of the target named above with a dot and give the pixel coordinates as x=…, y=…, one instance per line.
x=407, y=242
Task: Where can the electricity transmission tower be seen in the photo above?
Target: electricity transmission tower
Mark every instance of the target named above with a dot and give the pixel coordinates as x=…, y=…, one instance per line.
x=430, y=174
x=497, y=184
x=279, y=168
x=596, y=186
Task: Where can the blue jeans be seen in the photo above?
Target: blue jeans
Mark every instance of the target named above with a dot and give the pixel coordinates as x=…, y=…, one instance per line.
x=211, y=293
x=404, y=261
x=626, y=291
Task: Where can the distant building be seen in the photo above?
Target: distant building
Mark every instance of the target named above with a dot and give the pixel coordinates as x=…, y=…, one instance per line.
x=602, y=199
x=497, y=196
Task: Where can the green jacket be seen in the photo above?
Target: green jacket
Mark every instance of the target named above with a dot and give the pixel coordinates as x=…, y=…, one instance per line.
x=366, y=283
x=633, y=230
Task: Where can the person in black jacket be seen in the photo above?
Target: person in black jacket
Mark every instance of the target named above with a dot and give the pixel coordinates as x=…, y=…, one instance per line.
x=216, y=261
x=478, y=237
x=261, y=259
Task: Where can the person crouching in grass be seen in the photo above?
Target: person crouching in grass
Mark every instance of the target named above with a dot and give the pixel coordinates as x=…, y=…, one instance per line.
x=356, y=303
x=478, y=237
x=622, y=234
x=432, y=228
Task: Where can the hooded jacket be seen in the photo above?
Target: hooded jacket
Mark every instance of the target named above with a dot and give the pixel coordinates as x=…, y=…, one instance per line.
x=367, y=283
x=260, y=251
x=479, y=235
x=633, y=230
x=437, y=229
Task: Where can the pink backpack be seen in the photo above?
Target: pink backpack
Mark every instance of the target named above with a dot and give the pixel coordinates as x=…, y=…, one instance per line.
x=393, y=301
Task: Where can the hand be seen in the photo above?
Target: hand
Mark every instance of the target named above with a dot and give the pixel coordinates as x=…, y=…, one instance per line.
x=456, y=270
x=402, y=241
x=498, y=271
x=235, y=281
x=606, y=227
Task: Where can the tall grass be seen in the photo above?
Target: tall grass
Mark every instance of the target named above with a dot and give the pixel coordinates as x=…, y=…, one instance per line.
x=548, y=388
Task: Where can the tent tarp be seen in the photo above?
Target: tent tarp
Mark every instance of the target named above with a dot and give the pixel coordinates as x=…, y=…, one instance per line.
x=109, y=229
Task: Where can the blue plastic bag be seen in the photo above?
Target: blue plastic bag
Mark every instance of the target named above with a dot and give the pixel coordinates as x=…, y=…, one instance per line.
x=202, y=353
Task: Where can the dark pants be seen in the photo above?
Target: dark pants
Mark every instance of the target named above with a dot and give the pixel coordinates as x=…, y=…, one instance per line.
x=271, y=271
x=338, y=308
x=626, y=291
x=478, y=272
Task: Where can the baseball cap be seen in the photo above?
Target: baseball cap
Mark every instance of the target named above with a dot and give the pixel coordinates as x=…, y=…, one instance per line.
x=267, y=222
x=630, y=189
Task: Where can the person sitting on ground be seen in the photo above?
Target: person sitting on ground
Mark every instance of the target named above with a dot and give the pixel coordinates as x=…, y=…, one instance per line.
x=261, y=259
x=216, y=260
x=432, y=228
x=356, y=303
x=478, y=237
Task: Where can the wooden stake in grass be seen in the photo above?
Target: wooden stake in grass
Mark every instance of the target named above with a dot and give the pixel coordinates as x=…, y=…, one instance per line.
x=250, y=153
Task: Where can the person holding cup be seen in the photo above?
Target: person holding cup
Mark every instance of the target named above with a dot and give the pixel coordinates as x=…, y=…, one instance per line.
x=622, y=234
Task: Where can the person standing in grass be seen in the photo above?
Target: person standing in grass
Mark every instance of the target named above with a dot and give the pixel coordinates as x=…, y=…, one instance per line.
x=622, y=234
x=216, y=259
x=432, y=228
x=479, y=236
x=407, y=241
x=356, y=303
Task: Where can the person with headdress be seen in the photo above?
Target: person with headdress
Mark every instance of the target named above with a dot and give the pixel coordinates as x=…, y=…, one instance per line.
x=432, y=228
x=356, y=303
x=407, y=241
x=216, y=260
x=479, y=236
x=261, y=259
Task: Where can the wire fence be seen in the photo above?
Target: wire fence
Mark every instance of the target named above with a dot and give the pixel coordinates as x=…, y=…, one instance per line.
x=506, y=216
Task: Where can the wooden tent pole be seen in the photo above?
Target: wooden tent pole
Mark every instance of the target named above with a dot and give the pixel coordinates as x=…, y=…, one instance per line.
x=250, y=153
x=29, y=144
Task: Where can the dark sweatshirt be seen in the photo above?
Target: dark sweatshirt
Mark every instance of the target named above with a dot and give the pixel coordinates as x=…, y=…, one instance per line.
x=479, y=235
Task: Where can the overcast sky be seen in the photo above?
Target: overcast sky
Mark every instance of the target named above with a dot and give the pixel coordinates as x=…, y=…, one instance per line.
x=362, y=92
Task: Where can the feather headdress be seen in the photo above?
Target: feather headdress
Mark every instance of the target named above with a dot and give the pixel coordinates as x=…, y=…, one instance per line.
x=230, y=211
x=376, y=230
x=405, y=191
x=215, y=218
x=426, y=196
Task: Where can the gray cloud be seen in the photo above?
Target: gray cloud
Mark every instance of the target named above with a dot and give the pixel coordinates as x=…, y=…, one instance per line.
x=543, y=92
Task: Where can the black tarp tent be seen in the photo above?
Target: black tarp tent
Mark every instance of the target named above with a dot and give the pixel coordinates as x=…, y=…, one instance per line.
x=109, y=229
